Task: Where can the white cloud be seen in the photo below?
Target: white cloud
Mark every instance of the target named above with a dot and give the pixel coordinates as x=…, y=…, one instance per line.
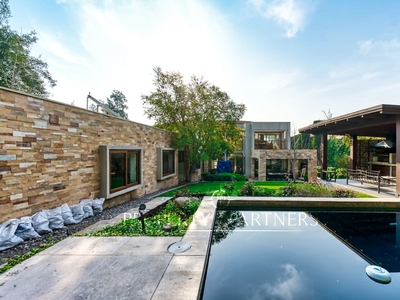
x=290, y=284
x=124, y=41
x=278, y=80
x=290, y=14
x=390, y=48
x=365, y=46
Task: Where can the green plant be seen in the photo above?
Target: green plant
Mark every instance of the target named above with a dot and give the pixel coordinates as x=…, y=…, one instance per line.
x=191, y=207
x=229, y=187
x=178, y=218
x=247, y=189
x=343, y=193
x=11, y=262
x=225, y=177
x=289, y=190
x=183, y=193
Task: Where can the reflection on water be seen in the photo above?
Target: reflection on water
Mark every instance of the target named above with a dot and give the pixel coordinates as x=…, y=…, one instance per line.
x=289, y=255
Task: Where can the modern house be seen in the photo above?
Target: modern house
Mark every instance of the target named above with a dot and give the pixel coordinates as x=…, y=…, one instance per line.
x=266, y=152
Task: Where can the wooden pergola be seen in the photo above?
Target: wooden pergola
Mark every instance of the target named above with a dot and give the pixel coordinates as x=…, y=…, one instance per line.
x=378, y=121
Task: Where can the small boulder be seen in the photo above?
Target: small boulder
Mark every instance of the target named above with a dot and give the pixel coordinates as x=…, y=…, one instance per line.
x=181, y=201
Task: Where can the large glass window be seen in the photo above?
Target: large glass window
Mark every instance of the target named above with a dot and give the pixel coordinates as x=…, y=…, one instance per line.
x=267, y=140
x=124, y=169
x=168, y=162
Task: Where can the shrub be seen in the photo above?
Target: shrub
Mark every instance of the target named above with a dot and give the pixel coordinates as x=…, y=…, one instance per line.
x=343, y=193
x=183, y=193
x=229, y=187
x=190, y=207
x=225, y=177
x=212, y=171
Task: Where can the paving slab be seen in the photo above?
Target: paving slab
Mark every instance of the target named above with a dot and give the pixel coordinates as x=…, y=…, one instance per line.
x=122, y=278
x=146, y=245
x=50, y=277
x=182, y=279
x=93, y=246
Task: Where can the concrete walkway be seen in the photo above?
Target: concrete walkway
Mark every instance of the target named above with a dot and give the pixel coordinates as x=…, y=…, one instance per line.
x=115, y=267
x=366, y=188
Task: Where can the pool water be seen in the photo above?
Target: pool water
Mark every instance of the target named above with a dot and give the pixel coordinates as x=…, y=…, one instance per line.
x=297, y=255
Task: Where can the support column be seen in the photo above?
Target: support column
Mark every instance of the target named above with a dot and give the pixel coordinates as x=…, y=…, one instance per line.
x=397, y=156
x=353, y=152
x=324, y=154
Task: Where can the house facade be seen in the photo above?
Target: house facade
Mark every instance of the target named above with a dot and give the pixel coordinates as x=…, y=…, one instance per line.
x=53, y=153
x=266, y=153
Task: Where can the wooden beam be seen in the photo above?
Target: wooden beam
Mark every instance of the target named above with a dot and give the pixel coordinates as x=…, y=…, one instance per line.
x=353, y=152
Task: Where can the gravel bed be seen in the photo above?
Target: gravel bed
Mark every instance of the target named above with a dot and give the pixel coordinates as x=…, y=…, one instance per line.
x=60, y=234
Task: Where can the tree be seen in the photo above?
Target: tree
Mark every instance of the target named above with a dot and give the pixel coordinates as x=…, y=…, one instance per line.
x=203, y=117
x=18, y=69
x=117, y=102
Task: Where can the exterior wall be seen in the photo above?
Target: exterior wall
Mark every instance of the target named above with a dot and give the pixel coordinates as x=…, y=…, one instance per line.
x=49, y=154
x=263, y=155
x=248, y=145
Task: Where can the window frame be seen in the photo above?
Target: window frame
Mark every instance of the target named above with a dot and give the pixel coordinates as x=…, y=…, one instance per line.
x=106, y=190
x=161, y=175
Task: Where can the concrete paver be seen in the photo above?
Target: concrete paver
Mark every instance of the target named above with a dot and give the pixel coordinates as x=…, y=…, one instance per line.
x=114, y=267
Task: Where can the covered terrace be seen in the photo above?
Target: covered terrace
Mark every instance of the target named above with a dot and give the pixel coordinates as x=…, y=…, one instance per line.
x=378, y=121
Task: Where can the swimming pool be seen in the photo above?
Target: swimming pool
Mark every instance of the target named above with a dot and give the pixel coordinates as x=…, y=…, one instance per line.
x=302, y=255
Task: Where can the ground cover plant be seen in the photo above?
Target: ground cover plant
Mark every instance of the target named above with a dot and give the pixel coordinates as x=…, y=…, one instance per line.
x=173, y=220
x=264, y=188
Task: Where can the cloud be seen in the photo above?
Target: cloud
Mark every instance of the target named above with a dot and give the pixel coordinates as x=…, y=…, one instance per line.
x=289, y=14
x=389, y=48
x=124, y=41
x=289, y=285
x=278, y=80
x=365, y=46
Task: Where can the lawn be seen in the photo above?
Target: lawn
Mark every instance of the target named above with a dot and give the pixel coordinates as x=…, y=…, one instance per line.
x=208, y=187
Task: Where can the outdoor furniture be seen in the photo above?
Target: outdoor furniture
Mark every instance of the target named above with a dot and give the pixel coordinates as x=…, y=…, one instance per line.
x=329, y=175
x=372, y=177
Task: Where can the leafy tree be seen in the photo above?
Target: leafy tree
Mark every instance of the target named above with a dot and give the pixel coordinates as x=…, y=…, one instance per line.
x=18, y=69
x=117, y=102
x=202, y=116
x=339, y=151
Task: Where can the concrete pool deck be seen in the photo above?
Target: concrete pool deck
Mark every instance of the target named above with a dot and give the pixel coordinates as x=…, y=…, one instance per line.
x=115, y=267
x=138, y=267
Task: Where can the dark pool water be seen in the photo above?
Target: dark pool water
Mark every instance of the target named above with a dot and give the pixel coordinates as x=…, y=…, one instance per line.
x=295, y=255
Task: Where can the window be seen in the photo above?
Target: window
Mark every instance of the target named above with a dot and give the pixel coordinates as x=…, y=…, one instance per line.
x=124, y=169
x=168, y=162
x=165, y=163
x=267, y=140
x=120, y=170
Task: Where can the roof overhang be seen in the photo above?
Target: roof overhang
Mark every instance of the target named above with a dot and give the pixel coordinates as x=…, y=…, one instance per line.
x=379, y=121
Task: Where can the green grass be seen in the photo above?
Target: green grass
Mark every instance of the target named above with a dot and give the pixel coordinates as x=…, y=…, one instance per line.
x=208, y=188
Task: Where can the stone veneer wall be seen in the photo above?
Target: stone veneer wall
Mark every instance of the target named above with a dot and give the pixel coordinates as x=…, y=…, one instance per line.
x=263, y=155
x=49, y=153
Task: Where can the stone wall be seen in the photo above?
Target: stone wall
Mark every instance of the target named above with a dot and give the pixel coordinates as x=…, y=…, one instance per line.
x=263, y=155
x=49, y=153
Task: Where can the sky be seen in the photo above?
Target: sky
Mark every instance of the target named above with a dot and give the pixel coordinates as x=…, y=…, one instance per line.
x=286, y=60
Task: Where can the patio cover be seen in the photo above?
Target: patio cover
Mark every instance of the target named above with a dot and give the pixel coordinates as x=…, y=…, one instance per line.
x=378, y=121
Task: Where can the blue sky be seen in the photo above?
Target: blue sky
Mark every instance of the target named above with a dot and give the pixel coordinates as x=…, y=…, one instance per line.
x=287, y=60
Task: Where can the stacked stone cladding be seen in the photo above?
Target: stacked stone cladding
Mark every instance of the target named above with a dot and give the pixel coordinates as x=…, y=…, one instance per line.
x=49, y=153
x=300, y=154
